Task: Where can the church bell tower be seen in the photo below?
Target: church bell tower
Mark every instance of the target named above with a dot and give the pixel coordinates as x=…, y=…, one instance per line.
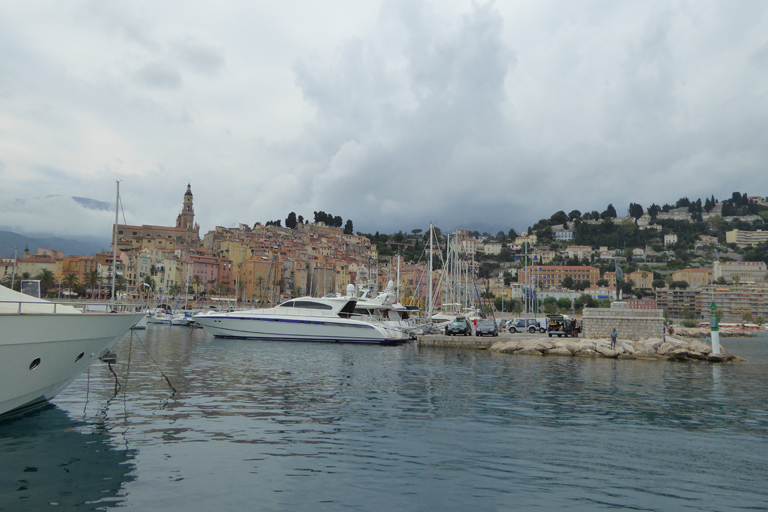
x=186, y=218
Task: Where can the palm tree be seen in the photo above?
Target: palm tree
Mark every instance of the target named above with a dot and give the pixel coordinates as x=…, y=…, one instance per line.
x=175, y=289
x=260, y=285
x=6, y=280
x=47, y=281
x=197, y=281
x=23, y=277
x=119, y=284
x=71, y=280
x=93, y=280
x=151, y=282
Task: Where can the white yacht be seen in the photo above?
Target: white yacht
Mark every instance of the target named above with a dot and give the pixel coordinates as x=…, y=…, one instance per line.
x=44, y=346
x=381, y=307
x=301, y=319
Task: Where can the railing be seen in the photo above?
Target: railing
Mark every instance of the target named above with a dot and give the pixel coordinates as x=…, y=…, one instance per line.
x=48, y=307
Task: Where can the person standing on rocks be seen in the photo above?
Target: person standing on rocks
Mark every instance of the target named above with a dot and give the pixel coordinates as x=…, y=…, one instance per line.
x=614, y=335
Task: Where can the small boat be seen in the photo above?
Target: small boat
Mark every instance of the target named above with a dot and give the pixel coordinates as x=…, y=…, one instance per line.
x=159, y=316
x=44, y=346
x=183, y=318
x=301, y=319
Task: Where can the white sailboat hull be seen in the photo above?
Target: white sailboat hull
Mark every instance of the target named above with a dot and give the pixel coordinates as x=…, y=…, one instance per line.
x=41, y=353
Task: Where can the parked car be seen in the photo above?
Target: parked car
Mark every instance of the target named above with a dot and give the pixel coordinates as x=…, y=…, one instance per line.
x=487, y=327
x=558, y=325
x=530, y=325
x=459, y=326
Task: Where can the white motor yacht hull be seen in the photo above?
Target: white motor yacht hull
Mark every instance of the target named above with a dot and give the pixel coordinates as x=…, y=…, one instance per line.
x=295, y=328
x=40, y=354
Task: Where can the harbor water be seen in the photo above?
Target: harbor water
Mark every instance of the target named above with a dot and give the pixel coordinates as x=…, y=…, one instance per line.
x=284, y=426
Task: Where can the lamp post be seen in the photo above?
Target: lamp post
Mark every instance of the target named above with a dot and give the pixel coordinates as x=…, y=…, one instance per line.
x=713, y=324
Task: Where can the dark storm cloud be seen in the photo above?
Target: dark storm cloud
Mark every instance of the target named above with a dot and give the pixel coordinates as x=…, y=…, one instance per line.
x=409, y=146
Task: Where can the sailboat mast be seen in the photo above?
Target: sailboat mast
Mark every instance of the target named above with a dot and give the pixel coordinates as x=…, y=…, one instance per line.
x=429, y=310
x=114, y=244
x=398, y=277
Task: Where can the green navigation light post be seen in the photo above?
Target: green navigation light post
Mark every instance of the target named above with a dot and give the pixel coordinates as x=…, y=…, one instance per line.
x=713, y=325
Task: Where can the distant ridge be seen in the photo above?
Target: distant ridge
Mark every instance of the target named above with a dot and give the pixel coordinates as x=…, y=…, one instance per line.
x=69, y=246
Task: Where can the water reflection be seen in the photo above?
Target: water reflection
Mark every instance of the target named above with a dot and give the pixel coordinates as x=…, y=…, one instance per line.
x=50, y=460
x=302, y=426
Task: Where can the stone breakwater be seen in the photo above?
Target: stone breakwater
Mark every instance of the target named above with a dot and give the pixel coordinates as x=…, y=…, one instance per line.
x=671, y=349
x=696, y=332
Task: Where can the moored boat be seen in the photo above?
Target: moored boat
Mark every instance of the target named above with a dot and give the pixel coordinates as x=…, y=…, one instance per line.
x=44, y=346
x=301, y=319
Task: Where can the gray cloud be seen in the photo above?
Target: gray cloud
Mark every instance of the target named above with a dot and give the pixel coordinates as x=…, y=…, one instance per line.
x=401, y=144
x=159, y=75
x=392, y=115
x=199, y=57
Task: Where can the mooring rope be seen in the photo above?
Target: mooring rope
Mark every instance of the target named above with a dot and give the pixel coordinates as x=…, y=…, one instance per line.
x=155, y=362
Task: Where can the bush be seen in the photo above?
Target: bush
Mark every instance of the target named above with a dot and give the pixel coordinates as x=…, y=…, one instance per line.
x=689, y=323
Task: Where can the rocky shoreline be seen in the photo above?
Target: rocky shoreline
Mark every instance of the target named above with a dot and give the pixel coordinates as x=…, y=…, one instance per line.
x=674, y=348
x=697, y=332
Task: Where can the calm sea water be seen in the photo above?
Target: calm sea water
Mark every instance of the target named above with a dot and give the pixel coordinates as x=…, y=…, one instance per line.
x=307, y=426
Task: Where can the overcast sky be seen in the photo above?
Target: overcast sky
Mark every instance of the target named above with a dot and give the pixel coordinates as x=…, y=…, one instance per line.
x=392, y=113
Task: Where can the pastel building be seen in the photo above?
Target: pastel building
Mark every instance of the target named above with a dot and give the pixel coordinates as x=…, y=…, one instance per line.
x=695, y=277
x=746, y=238
x=741, y=271
x=553, y=275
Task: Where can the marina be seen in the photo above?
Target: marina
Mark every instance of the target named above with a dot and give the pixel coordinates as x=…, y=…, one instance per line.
x=327, y=426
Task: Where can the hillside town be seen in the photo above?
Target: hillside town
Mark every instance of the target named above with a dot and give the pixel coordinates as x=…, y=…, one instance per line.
x=650, y=259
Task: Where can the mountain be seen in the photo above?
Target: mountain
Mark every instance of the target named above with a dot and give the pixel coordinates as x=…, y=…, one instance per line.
x=85, y=246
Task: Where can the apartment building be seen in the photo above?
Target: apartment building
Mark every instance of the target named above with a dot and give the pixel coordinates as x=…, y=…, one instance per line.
x=643, y=279
x=733, y=301
x=553, y=275
x=741, y=271
x=746, y=238
x=579, y=252
x=675, y=301
x=695, y=277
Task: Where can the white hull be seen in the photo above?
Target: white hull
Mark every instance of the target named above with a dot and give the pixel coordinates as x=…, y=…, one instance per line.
x=57, y=341
x=266, y=325
x=160, y=319
x=141, y=324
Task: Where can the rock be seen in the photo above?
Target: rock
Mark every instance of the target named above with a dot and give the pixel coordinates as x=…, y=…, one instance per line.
x=560, y=351
x=679, y=354
x=627, y=356
x=699, y=346
x=588, y=352
x=697, y=356
x=606, y=351
x=529, y=352
x=506, y=347
x=665, y=348
x=712, y=358
x=627, y=348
